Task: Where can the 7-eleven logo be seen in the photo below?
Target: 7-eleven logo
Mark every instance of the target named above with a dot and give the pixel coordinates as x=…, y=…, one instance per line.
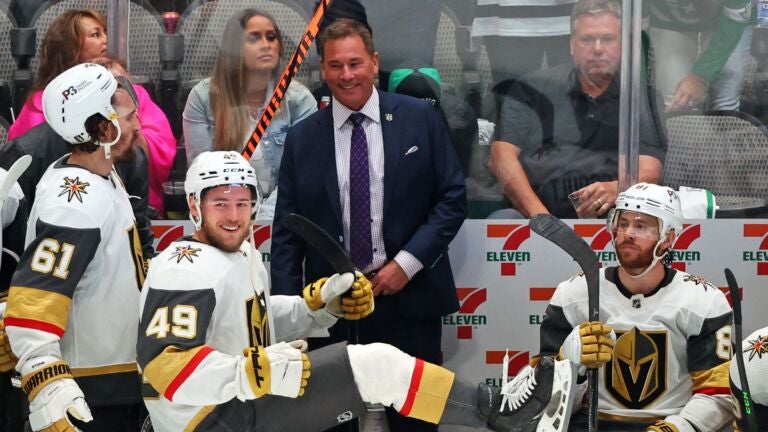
x=509, y=256
x=598, y=238
x=466, y=318
x=517, y=360
x=759, y=256
x=680, y=253
x=165, y=234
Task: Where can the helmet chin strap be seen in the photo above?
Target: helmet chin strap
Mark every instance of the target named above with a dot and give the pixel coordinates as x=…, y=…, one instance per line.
x=655, y=259
x=108, y=145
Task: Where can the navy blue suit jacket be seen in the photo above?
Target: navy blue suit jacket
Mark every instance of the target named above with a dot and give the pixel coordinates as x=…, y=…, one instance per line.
x=424, y=201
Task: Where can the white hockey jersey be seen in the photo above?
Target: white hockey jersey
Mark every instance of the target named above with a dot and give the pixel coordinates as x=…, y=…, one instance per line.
x=672, y=345
x=81, y=268
x=200, y=308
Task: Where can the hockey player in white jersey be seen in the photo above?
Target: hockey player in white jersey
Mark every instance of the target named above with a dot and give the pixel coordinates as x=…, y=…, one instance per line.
x=668, y=370
x=69, y=316
x=211, y=362
x=754, y=349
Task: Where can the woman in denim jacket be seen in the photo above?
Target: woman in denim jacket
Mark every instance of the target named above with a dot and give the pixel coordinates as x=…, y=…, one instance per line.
x=236, y=94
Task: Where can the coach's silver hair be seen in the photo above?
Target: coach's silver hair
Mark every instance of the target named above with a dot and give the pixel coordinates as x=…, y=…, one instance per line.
x=594, y=7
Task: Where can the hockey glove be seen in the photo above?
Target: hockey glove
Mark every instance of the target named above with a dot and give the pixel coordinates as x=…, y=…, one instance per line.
x=589, y=345
x=357, y=303
x=343, y=295
x=673, y=423
x=53, y=395
x=280, y=369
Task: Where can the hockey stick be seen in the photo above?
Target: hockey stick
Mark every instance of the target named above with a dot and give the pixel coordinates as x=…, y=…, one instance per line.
x=11, y=177
x=319, y=239
x=554, y=230
x=313, y=27
x=733, y=287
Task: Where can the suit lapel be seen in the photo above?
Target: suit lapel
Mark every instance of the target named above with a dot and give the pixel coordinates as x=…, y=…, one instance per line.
x=331, y=179
x=392, y=135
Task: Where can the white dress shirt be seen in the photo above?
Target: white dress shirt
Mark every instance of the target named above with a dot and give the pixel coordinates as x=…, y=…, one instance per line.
x=342, y=131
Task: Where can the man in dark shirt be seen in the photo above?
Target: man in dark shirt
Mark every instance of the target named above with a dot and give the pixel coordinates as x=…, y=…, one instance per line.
x=558, y=132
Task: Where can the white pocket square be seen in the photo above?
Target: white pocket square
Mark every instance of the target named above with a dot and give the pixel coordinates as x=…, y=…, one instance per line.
x=413, y=149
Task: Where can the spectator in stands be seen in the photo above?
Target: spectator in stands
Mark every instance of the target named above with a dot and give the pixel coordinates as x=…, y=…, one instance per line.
x=222, y=111
x=701, y=51
x=426, y=83
x=77, y=36
x=524, y=29
x=559, y=127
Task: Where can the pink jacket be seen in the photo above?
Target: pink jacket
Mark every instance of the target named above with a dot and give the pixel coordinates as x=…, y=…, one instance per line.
x=154, y=127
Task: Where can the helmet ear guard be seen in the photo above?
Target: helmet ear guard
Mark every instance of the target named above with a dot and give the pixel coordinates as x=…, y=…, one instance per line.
x=219, y=168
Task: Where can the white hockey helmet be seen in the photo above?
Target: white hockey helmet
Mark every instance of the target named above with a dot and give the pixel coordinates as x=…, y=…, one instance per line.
x=659, y=201
x=75, y=95
x=218, y=168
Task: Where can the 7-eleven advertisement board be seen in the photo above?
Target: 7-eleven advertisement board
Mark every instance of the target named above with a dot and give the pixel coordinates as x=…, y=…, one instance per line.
x=505, y=275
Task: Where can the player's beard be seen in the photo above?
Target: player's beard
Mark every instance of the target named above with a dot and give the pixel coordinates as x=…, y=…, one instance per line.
x=218, y=240
x=637, y=258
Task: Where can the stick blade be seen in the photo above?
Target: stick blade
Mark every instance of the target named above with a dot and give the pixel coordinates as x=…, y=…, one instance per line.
x=320, y=240
x=556, y=231
x=13, y=174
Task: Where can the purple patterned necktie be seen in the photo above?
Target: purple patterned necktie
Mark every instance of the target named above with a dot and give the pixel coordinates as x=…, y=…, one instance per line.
x=360, y=243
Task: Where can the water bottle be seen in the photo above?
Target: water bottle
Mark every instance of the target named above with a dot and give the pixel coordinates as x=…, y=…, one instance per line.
x=762, y=13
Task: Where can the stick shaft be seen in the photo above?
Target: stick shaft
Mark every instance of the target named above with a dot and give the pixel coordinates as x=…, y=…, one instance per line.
x=313, y=27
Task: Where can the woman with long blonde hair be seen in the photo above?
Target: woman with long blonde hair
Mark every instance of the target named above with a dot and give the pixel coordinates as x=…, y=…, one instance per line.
x=222, y=110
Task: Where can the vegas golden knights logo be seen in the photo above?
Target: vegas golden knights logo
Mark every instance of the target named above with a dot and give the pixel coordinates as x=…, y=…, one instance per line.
x=637, y=373
x=256, y=312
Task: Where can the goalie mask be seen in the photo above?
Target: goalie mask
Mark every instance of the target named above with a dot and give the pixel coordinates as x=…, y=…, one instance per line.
x=219, y=168
x=74, y=96
x=660, y=202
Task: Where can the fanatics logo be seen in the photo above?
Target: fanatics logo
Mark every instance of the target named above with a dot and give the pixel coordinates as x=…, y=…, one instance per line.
x=74, y=188
x=183, y=252
x=509, y=256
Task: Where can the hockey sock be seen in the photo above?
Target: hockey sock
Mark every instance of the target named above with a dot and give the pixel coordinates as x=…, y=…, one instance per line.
x=388, y=376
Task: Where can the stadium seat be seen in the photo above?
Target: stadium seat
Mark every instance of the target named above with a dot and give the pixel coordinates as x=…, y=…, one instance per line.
x=7, y=64
x=725, y=152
